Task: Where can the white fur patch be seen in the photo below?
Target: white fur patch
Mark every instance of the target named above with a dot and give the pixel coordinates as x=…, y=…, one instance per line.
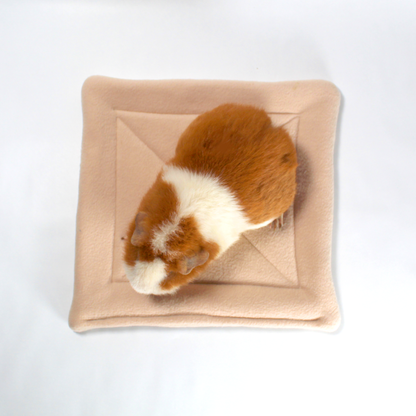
x=162, y=235
x=216, y=210
x=145, y=277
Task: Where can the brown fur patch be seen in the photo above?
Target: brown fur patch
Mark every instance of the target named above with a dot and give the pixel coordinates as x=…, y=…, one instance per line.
x=255, y=160
x=160, y=203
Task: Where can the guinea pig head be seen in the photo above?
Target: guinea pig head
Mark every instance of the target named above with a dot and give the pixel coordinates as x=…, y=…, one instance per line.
x=161, y=257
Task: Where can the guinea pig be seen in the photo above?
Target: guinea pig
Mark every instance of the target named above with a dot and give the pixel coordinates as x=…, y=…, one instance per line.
x=232, y=171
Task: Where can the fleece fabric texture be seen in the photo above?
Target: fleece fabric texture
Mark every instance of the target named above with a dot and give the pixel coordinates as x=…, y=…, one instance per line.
x=267, y=279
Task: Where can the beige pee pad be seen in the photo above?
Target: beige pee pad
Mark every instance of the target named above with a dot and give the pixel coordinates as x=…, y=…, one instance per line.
x=266, y=279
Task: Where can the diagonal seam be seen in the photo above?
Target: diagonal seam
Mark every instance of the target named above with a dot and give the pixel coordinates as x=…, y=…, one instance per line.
x=138, y=138
x=285, y=278
x=288, y=121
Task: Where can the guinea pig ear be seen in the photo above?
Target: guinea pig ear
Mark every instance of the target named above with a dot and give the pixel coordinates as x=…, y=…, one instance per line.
x=139, y=232
x=187, y=264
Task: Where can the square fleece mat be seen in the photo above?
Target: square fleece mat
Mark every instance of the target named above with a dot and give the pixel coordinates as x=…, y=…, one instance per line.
x=267, y=279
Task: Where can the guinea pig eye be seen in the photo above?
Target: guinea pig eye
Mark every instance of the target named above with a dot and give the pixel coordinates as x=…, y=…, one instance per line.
x=143, y=254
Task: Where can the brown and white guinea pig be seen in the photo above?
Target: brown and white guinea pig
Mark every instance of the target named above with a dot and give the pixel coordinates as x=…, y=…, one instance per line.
x=232, y=172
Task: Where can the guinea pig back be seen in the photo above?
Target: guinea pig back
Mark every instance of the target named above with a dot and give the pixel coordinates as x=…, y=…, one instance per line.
x=239, y=145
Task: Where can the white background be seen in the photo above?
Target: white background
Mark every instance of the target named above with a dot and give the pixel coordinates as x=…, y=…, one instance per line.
x=368, y=49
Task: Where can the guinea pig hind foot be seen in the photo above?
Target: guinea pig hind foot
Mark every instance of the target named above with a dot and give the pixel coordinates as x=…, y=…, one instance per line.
x=277, y=223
